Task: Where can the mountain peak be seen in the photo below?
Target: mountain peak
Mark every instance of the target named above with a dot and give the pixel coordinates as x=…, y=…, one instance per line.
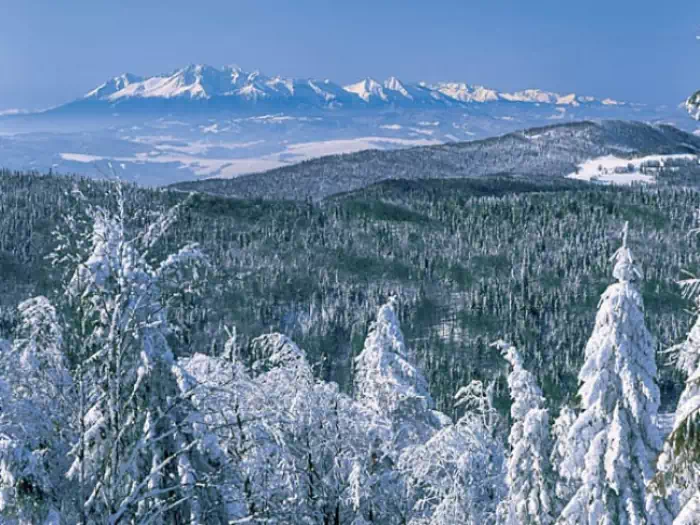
x=464, y=92
x=367, y=89
x=394, y=84
x=203, y=82
x=113, y=85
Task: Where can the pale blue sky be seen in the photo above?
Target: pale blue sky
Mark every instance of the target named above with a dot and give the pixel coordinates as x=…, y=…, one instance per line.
x=52, y=51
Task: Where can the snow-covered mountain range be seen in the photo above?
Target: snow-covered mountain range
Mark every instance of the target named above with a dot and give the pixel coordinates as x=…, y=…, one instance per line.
x=203, y=122
x=234, y=87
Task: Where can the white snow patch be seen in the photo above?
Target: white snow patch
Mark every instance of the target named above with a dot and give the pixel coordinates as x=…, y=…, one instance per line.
x=465, y=93
x=335, y=147
x=13, y=111
x=191, y=157
x=80, y=157
x=420, y=131
x=560, y=114
x=367, y=89
x=611, y=169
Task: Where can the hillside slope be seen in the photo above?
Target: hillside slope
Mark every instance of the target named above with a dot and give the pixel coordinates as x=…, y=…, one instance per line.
x=473, y=260
x=552, y=151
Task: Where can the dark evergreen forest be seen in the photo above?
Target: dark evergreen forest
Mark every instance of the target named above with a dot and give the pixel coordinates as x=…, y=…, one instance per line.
x=472, y=260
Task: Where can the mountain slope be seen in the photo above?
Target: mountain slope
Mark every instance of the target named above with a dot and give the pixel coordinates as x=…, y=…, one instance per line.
x=552, y=151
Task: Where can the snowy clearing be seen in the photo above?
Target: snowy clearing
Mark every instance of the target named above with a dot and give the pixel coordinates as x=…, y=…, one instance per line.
x=194, y=156
x=336, y=147
x=615, y=170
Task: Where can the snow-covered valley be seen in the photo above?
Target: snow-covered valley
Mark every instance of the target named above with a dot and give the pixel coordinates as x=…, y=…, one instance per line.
x=202, y=122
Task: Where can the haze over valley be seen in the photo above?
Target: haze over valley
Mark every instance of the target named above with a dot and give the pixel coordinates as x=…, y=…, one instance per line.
x=202, y=122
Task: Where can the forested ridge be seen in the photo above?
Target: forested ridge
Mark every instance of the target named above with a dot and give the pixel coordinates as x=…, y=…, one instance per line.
x=490, y=351
x=552, y=151
x=472, y=260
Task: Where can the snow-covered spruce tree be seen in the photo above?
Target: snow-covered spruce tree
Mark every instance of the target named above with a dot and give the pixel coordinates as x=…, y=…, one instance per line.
x=679, y=465
x=35, y=424
x=530, y=477
x=614, y=441
x=396, y=395
x=141, y=455
x=566, y=482
x=458, y=475
x=389, y=385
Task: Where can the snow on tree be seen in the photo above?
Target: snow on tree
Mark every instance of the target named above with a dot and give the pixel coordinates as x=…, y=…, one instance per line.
x=692, y=105
x=614, y=441
x=35, y=401
x=251, y=426
x=690, y=511
x=566, y=484
x=679, y=465
x=141, y=455
x=530, y=478
x=388, y=384
x=396, y=395
x=458, y=476
x=299, y=446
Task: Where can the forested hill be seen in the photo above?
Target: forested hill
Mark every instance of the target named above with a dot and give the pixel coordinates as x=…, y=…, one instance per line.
x=552, y=151
x=471, y=260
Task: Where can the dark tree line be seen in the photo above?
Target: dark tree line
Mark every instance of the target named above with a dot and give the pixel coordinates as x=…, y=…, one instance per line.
x=472, y=260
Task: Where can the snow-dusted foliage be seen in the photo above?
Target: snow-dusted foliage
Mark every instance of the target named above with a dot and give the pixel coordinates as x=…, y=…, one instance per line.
x=97, y=424
x=299, y=447
x=690, y=511
x=692, y=105
x=395, y=393
x=322, y=431
x=391, y=386
x=139, y=455
x=679, y=465
x=530, y=477
x=614, y=441
x=110, y=414
x=458, y=476
x=35, y=423
x=566, y=481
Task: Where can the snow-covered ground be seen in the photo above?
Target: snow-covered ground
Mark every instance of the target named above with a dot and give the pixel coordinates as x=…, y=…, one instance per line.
x=195, y=156
x=334, y=147
x=615, y=170
x=158, y=150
